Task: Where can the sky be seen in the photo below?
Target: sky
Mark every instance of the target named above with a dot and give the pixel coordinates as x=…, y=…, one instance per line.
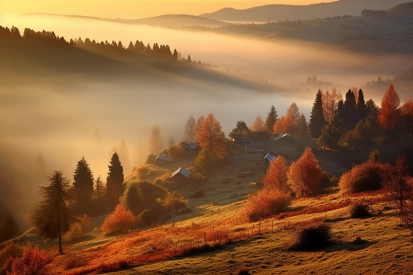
x=133, y=8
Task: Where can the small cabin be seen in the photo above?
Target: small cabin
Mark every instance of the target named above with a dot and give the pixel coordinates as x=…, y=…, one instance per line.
x=180, y=174
x=190, y=147
x=269, y=157
x=163, y=160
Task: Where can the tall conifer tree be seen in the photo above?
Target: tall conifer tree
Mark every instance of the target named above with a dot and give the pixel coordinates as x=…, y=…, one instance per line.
x=271, y=119
x=114, y=181
x=317, y=120
x=83, y=184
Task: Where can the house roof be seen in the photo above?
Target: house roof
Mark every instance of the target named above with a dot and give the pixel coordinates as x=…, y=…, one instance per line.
x=163, y=157
x=270, y=157
x=181, y=170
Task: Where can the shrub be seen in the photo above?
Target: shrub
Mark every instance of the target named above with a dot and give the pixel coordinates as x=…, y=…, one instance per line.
x=7, y=256
x=146, y=217
x=176, y=152
x=119, y=221
x=75, y=232
x=266, y=203
x=243, y=270
x=173, y=201
x=312, y=236
x=33, y=262
x=362, y=178
x=198, y=193
x=359, y=210
x=73, y=262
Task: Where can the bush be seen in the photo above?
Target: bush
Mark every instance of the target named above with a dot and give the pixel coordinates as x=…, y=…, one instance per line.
x=364, y=177
x=33, y=262
x=312, y=236
x=146, y=217
x=176, y=152
x=243, y=270
x=79, y=229
x=266, y=203
x=7, y=255
x=173, y=201
x=359, y=210
x=119, y=221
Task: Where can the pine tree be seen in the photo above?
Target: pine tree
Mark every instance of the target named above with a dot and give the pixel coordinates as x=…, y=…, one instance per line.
x=331, y=134
x=302, y=127
x=52, y=218
x=99, y=189
x=361, y=106
x=350, y=111
x=271, y=119
x=83, y=183
x=240, y=130
x=114, y=181
x=317, y=120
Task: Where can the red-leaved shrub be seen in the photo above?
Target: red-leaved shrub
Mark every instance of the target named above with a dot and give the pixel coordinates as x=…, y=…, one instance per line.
x=363, y=177
x=119, y=221
x=265, y=203
x=33, y=262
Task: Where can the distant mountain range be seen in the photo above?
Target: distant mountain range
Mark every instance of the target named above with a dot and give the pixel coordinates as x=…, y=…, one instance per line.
x=167, y=20
x=301, y=12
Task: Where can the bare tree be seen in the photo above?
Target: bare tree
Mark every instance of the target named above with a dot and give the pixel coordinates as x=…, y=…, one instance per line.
x=189, y=133
x=156, y=143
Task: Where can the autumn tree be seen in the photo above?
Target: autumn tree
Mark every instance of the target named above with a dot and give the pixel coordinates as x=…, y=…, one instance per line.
x=258, y=124
x=198, y=125
x=276, y=176
x=241, y=130
x=330, y=103
x=305, y=175
x=51, y=217
x=83, y=183
x=189, y=132
x=279, y=126
x=114, y=182
x=398, y=190
x=389, y=113
x=271, y=119
x=317, y=120
x=211, y=138
x=156, y=143
x=294, y=112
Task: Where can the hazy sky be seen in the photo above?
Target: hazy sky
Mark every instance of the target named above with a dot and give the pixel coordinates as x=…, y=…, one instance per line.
x=133, y=8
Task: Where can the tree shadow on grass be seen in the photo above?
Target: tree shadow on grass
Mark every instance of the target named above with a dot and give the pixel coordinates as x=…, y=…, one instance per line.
x=357, y=244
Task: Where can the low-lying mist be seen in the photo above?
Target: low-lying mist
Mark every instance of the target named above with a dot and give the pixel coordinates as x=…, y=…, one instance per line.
x=88, y=118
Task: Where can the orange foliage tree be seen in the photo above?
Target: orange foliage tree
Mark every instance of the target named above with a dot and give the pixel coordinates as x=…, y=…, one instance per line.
x=258, y=124
x=305, y=174
x=389, y=113
x=33, y=262
x=276, y=176
x=211, y=138
x=119, y=221
x=198, y=125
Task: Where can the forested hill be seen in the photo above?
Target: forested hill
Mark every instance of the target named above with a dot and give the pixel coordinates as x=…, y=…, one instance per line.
x=33, y=54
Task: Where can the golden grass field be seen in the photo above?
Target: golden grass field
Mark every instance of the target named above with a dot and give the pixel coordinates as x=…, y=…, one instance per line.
x=217, y=218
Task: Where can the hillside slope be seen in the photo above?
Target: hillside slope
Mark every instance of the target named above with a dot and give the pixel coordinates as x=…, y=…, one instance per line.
x=300, y=12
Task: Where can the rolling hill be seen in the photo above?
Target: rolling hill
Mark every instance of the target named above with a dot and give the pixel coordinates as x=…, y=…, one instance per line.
x=300, y=12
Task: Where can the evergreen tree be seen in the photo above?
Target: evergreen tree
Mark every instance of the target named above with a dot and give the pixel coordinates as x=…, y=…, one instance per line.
x=114, y=181
x=350, y=111
x=52, y=218
x=271, y=119
x=99, y=189
x=302, y=127
x=83, y=184
x=317, y=120
x=361, y=106
x=240, y=130
x=331, y=134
